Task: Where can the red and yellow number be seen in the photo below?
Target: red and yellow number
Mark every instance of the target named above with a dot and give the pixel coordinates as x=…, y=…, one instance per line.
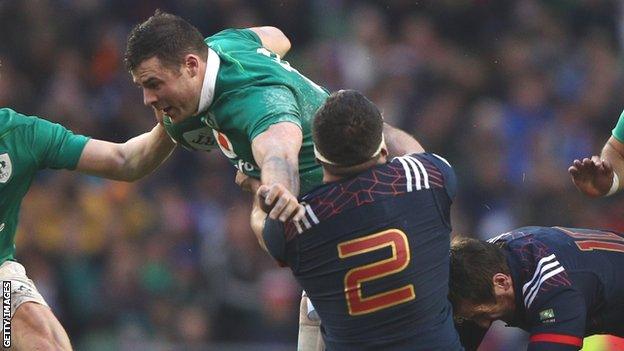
x=397, y=241
x=590, y=240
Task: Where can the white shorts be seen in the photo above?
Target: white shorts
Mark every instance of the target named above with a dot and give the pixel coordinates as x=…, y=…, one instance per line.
x=22, y=288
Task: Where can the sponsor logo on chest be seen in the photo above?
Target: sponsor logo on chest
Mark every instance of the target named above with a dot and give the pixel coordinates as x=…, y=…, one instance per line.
x=228, y=150
x=200, y=139
x=5, y=168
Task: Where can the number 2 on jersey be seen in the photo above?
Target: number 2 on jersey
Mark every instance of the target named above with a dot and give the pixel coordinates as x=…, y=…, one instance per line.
x=397, y=241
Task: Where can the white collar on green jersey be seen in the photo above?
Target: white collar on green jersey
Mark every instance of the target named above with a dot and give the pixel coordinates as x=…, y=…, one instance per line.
x=210, y=78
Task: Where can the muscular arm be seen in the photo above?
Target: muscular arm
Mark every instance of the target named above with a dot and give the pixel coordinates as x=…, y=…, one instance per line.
x=400, y=143
x=276, y=152
x=273, y=39
x=613, y=152
x=127, y=161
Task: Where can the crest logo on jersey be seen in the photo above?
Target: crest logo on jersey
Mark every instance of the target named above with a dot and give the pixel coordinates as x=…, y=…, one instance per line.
x=547, y=316
x=5, y=168
x=201, y=139
x=224, y=144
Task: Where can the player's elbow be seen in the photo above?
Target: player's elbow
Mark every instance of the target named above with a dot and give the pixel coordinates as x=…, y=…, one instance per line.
x=126, y=168
x=131, y=173
x=273, y=39
x=130, y=177
x=284, y=43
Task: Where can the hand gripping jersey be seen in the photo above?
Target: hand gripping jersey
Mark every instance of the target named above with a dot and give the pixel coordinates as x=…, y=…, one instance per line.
x=27, y=145
x=247, y=89
x=372, y=253
x=569, y=283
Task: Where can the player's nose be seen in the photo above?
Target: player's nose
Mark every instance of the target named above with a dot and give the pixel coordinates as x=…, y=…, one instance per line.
x=149, y=98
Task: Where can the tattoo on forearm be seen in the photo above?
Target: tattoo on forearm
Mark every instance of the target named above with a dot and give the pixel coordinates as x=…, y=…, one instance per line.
x=278, y=170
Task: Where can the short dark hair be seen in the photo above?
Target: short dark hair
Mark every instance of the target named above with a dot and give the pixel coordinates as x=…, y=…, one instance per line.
x=165, y=36
x=473, y=264
x=348, y=128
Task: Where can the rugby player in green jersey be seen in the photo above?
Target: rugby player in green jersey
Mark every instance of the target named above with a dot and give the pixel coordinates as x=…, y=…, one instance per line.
x=233, y=91
x=29, y=144
x=600, y=175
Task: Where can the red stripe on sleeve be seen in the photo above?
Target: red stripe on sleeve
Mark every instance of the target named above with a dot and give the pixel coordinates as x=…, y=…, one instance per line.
x=557, y=338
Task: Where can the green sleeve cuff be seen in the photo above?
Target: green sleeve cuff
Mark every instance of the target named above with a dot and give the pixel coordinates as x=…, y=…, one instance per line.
x=75, y=149
x=263, y=125
x=618, y=131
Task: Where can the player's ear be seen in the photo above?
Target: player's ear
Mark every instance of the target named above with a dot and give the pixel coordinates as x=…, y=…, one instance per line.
x=191, y=64
x=384, y=150
x=502, y=283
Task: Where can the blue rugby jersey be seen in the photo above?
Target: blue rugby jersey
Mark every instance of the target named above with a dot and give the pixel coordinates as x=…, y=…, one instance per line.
x=372, y=255
x=568, y=284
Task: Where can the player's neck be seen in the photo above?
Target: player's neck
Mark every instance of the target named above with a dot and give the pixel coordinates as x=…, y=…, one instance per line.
x=330, y=177
x=204, y=96
x=334, y=174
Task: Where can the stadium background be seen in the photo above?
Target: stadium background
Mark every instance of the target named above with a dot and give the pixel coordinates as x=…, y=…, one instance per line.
x=509, y=91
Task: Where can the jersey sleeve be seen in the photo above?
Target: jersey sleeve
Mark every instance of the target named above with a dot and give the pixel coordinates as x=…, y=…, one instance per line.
x=618, y=131
x=557, y=320
x=235, y=39
x=260, y=107
x=54, y=146
x=275, y=239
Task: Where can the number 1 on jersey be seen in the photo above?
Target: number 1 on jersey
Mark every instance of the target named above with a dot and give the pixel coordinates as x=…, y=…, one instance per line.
x=397, y=241
x=589, y=240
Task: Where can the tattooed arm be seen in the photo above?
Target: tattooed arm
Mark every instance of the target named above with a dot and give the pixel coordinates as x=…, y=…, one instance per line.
x=276, y=152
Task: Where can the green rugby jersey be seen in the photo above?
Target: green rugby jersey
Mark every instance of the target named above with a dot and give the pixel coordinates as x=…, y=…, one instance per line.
x=27, y=145
x=246, y=89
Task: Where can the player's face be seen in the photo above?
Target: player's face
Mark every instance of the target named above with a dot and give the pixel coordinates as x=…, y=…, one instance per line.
x=174, y=91
x=503, y=307
x=484, y=314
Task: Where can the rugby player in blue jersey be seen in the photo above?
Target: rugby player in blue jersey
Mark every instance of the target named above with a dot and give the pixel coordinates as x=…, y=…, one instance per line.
x=559, y=284
x=371, y=251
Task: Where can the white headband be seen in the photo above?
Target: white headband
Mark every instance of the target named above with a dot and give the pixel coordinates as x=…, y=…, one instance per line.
x=324, y=159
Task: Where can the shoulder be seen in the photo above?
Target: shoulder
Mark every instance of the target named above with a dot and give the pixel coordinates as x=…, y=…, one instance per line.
x=540, y=272
x=234, y=39
x=426, y=170
x=12, y=119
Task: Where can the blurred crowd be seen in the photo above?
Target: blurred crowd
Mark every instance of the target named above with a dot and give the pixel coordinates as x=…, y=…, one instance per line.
x=510, y=92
